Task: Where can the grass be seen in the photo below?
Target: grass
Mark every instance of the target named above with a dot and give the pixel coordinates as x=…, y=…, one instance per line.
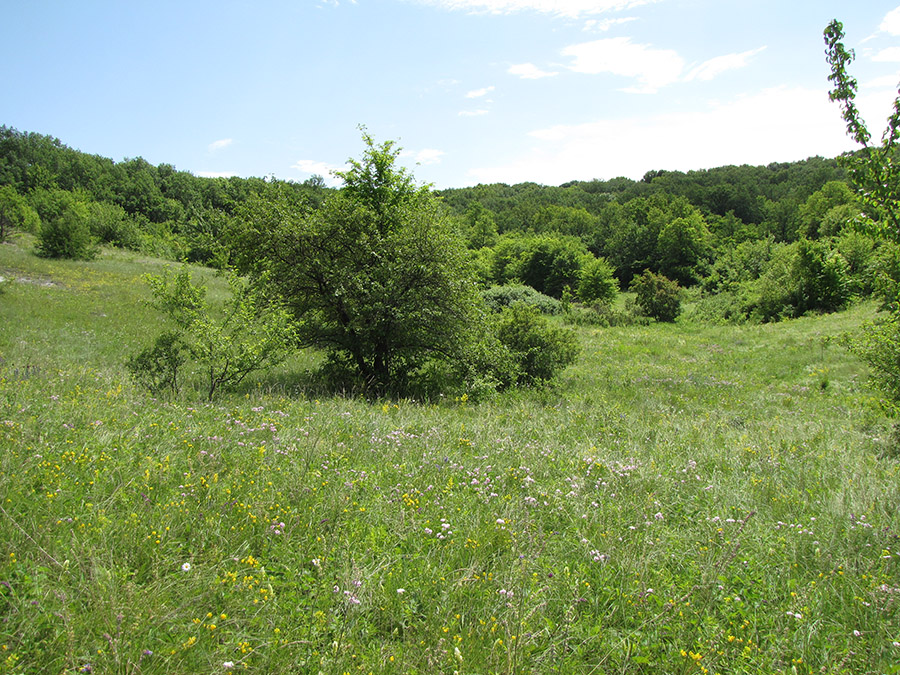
x=688, y=499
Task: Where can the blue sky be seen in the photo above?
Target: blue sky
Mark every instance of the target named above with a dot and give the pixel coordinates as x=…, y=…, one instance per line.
x=475, y=91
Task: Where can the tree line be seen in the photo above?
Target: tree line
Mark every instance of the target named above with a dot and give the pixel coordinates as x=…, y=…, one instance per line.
x=359, y=267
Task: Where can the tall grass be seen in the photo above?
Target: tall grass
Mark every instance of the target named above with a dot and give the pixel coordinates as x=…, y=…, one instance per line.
x=688, y=499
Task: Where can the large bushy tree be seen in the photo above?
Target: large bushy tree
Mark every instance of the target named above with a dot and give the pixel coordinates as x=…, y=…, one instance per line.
x=376, y=276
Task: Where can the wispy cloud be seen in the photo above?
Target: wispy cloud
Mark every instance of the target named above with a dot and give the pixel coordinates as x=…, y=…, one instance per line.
x=603, y=25
x=529, y=71
x=424, y=156
x=888, y=55
x=473, y=113
x=720, y=64
x=651, y=67
x=565, y=8
x=220, y=144
x=478, y=93
x=782, y=124
x=314, y=167
x=883, y=82
x=891, y=22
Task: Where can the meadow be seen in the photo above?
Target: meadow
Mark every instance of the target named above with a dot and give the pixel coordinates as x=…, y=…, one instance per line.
x=685, y=499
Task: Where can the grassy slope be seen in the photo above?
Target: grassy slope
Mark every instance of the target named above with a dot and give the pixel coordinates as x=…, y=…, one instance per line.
x=689, y=499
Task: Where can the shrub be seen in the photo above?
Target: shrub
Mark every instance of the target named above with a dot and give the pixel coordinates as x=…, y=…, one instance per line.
x=157, y=367
x=657, y=296
x=15, y=213
x=253, y=334
x=539, y=349
x=597, y=283
x=821, y=277
x=68, y=235
x=499, y=297
x=878, y=345
x=109, y=223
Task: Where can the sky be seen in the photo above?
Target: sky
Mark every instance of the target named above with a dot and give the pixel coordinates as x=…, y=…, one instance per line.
x=473, y=91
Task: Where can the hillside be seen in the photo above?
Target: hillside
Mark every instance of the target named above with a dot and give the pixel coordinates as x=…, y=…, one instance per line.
x=687, y=498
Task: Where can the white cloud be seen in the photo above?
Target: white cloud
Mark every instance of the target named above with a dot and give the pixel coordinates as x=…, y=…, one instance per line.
x=313, y=167
x=472, y=113
x=529, y=71
x=603, y=25
x=782, y=124
x=883, y=82
x=478, y=93
x=891, y=22
x=567, y=8
x=653, y=68
x=720, y=64
x=889, y=55
x=216, y=174
x=220, y=144
x=425, y=156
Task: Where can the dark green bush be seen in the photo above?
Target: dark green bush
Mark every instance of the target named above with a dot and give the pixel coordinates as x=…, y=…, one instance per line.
x=68, y=235
x=156, y=368
x=538, y=348
x=657, y=296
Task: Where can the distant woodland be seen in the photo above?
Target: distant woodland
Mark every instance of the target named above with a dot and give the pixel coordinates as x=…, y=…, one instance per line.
x=756, y=242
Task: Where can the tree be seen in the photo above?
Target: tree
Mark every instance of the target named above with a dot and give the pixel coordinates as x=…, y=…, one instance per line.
x=597, y=283
x=873, y=170
x=876, y=178
x=376, y=275
x=68, y=235
x=658, y=296
x=15, y=213
x=683, y=245
x=253, y=333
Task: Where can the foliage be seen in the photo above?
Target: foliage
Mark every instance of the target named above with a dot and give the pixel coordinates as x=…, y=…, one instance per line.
x=873, y=169
x=826, y=211
x=547, y=262
x=657, y=296
x=68, y=235
x=110, y=224
x=15, y=213
x=683, y=248
x=253, y=333
x=596, y=283
x=539, y=349
x=822, y=278
x=878, y=345
x=376, y=276
x=157, y=367
x=499, y=297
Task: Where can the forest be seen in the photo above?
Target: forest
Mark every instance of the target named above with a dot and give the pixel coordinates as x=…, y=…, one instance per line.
x=732, y=233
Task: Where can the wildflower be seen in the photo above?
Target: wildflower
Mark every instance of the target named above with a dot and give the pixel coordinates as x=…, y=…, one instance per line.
x=228, y=665
x=856, y=633
x=401, y=591
x=186, y=567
